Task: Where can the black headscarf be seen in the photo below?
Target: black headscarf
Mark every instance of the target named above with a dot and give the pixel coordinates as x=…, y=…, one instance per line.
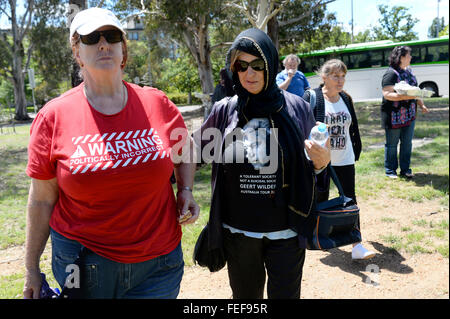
x=270, y=102
x=270, y=99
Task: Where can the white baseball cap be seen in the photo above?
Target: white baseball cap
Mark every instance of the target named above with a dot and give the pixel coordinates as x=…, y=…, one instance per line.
x=89, y=20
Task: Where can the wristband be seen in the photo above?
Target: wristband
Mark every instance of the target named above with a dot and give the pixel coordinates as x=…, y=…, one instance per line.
x=182, y=188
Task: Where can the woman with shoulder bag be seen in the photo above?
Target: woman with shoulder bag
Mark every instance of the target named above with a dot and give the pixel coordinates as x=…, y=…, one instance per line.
x=334, y=107
x=258, y=218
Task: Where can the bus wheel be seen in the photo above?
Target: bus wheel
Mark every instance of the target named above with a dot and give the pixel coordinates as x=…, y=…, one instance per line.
x=430, y=86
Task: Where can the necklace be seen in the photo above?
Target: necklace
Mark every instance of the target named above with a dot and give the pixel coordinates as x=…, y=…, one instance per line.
x=331, y=99
x=100, y=109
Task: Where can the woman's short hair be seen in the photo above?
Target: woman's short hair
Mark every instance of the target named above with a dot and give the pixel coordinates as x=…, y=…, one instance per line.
x=291, y=56
x=332, y=66
x=396, y=54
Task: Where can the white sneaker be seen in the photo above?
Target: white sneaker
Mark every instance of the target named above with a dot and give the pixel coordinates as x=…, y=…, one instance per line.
x=359, y=252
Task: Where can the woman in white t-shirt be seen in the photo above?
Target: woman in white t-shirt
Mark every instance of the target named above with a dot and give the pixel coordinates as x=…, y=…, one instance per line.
x=334, y=107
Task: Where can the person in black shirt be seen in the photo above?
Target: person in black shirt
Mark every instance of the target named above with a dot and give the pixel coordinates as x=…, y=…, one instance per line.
x=264, y=188
x=223, y=88
x=398, y=113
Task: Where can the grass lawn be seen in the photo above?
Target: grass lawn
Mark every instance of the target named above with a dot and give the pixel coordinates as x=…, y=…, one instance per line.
x=430, y=163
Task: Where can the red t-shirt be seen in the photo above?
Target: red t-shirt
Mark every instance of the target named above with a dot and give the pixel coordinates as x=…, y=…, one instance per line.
x=113, y=172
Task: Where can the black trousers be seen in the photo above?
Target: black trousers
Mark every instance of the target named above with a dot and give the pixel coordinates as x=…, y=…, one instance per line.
x=248, y=259
x=346, y=176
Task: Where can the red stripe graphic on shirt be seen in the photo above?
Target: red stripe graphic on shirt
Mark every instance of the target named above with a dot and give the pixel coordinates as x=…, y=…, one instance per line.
x=107, y=151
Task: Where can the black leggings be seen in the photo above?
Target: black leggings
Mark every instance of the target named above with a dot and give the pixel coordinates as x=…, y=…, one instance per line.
x=346, y=176
x=249, y=258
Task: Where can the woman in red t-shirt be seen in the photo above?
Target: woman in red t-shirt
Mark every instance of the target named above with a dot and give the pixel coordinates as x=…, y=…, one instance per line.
x=100, y=157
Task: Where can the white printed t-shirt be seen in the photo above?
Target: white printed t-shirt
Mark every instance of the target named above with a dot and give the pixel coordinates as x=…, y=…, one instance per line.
x=338, y=119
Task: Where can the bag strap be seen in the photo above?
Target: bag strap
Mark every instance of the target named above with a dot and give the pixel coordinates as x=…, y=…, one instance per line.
x=336, y=180
x=312, y=98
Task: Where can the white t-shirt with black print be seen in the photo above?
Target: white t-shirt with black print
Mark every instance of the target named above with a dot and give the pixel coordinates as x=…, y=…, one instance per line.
x=338, y=119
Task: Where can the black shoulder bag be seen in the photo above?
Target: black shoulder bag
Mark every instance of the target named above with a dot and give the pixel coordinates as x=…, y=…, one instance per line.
x=333, y=223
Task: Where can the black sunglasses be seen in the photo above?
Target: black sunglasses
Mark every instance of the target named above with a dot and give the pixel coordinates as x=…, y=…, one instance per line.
x=111, y=36
x=242, y=66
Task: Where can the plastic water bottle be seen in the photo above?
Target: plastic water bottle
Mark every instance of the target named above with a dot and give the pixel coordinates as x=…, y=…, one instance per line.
x=319, y=134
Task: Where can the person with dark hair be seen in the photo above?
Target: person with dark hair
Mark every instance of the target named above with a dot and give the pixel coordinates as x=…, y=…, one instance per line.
x=398, y=113
x=223, y=88
x=258, y=216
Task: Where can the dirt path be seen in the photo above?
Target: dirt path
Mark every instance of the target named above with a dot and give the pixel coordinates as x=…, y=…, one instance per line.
x=333, y=275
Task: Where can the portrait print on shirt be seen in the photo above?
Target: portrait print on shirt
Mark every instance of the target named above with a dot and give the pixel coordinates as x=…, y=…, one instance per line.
x=255, y=144
x=250, y=147
x=336, y=128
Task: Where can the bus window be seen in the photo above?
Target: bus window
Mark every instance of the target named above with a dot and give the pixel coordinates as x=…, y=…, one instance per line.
x=387, y=54
x=310, y=64
x=376, y=59
x=346, y=59
x=307, y=65
x=418, y=54
x=437, y=52
x=302, y=66
x=360, y=60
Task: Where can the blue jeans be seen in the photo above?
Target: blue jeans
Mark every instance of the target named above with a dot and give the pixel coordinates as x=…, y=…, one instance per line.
x=393, y=136
x=159, y=277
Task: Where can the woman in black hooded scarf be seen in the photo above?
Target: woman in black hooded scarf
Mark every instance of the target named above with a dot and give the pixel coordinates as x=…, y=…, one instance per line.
x=261, y=195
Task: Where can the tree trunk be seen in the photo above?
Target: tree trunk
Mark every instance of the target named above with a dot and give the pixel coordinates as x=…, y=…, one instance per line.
x=272, y=32
x=20, y=100
x=19, y=91
x=74, y=7
x=201, y=51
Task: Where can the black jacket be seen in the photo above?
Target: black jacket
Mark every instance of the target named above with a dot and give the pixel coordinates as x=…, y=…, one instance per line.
x=224, y=117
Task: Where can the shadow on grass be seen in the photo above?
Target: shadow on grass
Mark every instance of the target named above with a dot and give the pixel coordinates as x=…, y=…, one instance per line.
x=437, y=182
x=386, y=258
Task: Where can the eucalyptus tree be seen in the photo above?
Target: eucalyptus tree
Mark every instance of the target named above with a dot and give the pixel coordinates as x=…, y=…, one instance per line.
x=13, y=53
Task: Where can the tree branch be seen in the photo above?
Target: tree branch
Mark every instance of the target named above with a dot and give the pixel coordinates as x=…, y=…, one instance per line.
x=27, y=16
x=220, y=45
x=272, y=13
x=30, y=49
x=245, y=9
x=6, y=13
x=306, y=14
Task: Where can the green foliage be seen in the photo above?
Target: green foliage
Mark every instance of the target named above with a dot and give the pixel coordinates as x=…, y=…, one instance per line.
x=182, y=98
x=444, y=31
x=395, y=24
x=6, y=92
x=314, y=32
x=181, y=73
x=138, y=58
x=436, y=27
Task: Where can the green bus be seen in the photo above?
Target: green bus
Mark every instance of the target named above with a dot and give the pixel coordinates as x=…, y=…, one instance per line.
x=367, y=62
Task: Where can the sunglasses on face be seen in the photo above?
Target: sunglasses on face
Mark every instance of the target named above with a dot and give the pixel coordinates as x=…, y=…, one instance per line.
x=111, y=36
x=242, y=66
